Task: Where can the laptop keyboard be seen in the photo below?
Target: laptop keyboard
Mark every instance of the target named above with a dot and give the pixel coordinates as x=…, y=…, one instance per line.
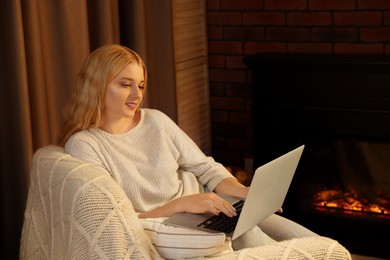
x=222, y=222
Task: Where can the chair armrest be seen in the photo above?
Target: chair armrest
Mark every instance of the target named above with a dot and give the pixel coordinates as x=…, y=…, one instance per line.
x=76, y=210
x=105, y=225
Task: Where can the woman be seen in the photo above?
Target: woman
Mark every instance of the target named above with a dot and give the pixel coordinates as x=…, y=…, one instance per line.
x=159, y=167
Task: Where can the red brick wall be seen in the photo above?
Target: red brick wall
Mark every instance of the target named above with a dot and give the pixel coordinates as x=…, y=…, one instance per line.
x=242, y=27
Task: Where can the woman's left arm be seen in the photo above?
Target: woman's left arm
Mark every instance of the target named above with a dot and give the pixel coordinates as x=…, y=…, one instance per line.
x=192, y=159
x=231, y=186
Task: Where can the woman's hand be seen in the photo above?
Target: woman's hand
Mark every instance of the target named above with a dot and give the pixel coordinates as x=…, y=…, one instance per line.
x=206, y=203
x=202, y=203
x=197, y=203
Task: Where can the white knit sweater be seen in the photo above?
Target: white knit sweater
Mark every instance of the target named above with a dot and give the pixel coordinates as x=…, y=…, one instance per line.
x=154, y=162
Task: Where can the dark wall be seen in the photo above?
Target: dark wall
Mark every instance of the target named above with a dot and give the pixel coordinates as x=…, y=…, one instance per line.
x=240, y=28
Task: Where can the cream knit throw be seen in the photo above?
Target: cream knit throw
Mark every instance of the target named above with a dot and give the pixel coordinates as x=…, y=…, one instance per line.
x=77, y=211
x=310, y=248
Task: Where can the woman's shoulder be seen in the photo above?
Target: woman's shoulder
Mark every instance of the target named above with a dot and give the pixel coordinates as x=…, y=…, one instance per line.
x=156, y=115
x=153, y=112
x=83, y=134
x=81, y=138
x=85, y=146
x=157, y=119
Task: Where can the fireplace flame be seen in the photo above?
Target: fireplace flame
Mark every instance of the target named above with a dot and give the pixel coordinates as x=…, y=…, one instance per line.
x=350, y=203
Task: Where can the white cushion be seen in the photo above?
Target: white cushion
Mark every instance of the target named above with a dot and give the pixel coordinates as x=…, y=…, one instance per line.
x=175, y=242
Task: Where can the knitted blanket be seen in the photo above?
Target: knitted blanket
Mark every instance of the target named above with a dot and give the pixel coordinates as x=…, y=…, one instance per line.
x=77, y=211
x=310, y=248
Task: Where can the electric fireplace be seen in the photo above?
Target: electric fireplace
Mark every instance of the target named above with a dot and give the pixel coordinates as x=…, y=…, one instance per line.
x=339, y=107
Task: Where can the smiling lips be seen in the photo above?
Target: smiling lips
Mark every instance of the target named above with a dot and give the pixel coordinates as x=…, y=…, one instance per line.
x=131, y=105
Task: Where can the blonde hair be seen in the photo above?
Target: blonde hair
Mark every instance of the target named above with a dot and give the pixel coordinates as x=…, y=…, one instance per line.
x=85, y=106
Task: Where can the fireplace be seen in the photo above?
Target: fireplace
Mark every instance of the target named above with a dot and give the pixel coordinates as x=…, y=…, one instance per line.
x=339, y=107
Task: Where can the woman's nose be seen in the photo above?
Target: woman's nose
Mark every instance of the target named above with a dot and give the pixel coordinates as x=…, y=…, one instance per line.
x=136, y=92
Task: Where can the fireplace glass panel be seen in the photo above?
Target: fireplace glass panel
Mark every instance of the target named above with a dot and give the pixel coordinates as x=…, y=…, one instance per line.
x=346, y=178
x=339, y=107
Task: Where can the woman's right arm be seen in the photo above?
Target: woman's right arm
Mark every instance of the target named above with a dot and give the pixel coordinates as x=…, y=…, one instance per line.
x=196, y=203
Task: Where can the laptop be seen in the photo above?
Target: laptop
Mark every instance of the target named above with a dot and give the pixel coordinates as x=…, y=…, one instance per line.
x=266, y=195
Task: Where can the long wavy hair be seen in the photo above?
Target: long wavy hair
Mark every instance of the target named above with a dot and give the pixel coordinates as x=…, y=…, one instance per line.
x=86, y=103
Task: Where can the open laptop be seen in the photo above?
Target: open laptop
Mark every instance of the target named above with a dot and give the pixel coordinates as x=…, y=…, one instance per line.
x=266, y=195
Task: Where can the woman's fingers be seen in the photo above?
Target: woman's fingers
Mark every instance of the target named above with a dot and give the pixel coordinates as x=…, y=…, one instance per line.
x=207, y=203
x=225, y=207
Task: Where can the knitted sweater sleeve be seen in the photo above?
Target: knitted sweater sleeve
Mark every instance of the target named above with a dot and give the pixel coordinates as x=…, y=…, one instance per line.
x=82, y=146
x=191, y=159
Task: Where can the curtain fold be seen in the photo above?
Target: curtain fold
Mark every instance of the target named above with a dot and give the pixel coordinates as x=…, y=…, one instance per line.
x=146, y=27
x=43, y=44
x=56, y=42
x=103, y=22
x=15, y=130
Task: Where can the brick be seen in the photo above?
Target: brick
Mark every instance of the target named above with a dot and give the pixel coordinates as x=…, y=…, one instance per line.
x=235, y=62
x=387, y=49
x=227, y=103
x=217, y=89
x=232, y=76
x=215, y=32
x=239, y=90
x=244, y=33
x=227, y=157
x=288, y=34
x=243, y=145
x=225, y=47
x=213, y=4
x=264, y=18
x=217, y=61
x=249, y=132
x=219, y=142
x=249, y=103
x=249, y=77
x=225, y=18
x=309, y=48
x=374, y=4
x=387, y=18
x=309, y=18
x=264, y=47
x=375, y=34
x=332, y=4
x=285, y=4
x=242, y=4
x=241, y=118
x=357, y=18
x=219, y=116
x=334, y=34
x=227, y=130
x=341, y=48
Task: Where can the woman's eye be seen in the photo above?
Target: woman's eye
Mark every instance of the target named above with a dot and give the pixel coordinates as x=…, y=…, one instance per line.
x=130, y=85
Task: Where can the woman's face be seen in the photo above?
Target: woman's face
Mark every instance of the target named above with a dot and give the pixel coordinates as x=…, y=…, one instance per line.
x=124, y=93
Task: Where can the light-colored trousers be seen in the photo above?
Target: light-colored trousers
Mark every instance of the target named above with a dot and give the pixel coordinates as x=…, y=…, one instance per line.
x=273, y=229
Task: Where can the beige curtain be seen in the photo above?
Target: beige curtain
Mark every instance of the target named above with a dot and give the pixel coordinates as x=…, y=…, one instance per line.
x=151, y=36
x=43, y=44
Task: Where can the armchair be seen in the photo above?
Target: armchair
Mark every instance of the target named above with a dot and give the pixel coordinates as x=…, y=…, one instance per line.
x=75, y=210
